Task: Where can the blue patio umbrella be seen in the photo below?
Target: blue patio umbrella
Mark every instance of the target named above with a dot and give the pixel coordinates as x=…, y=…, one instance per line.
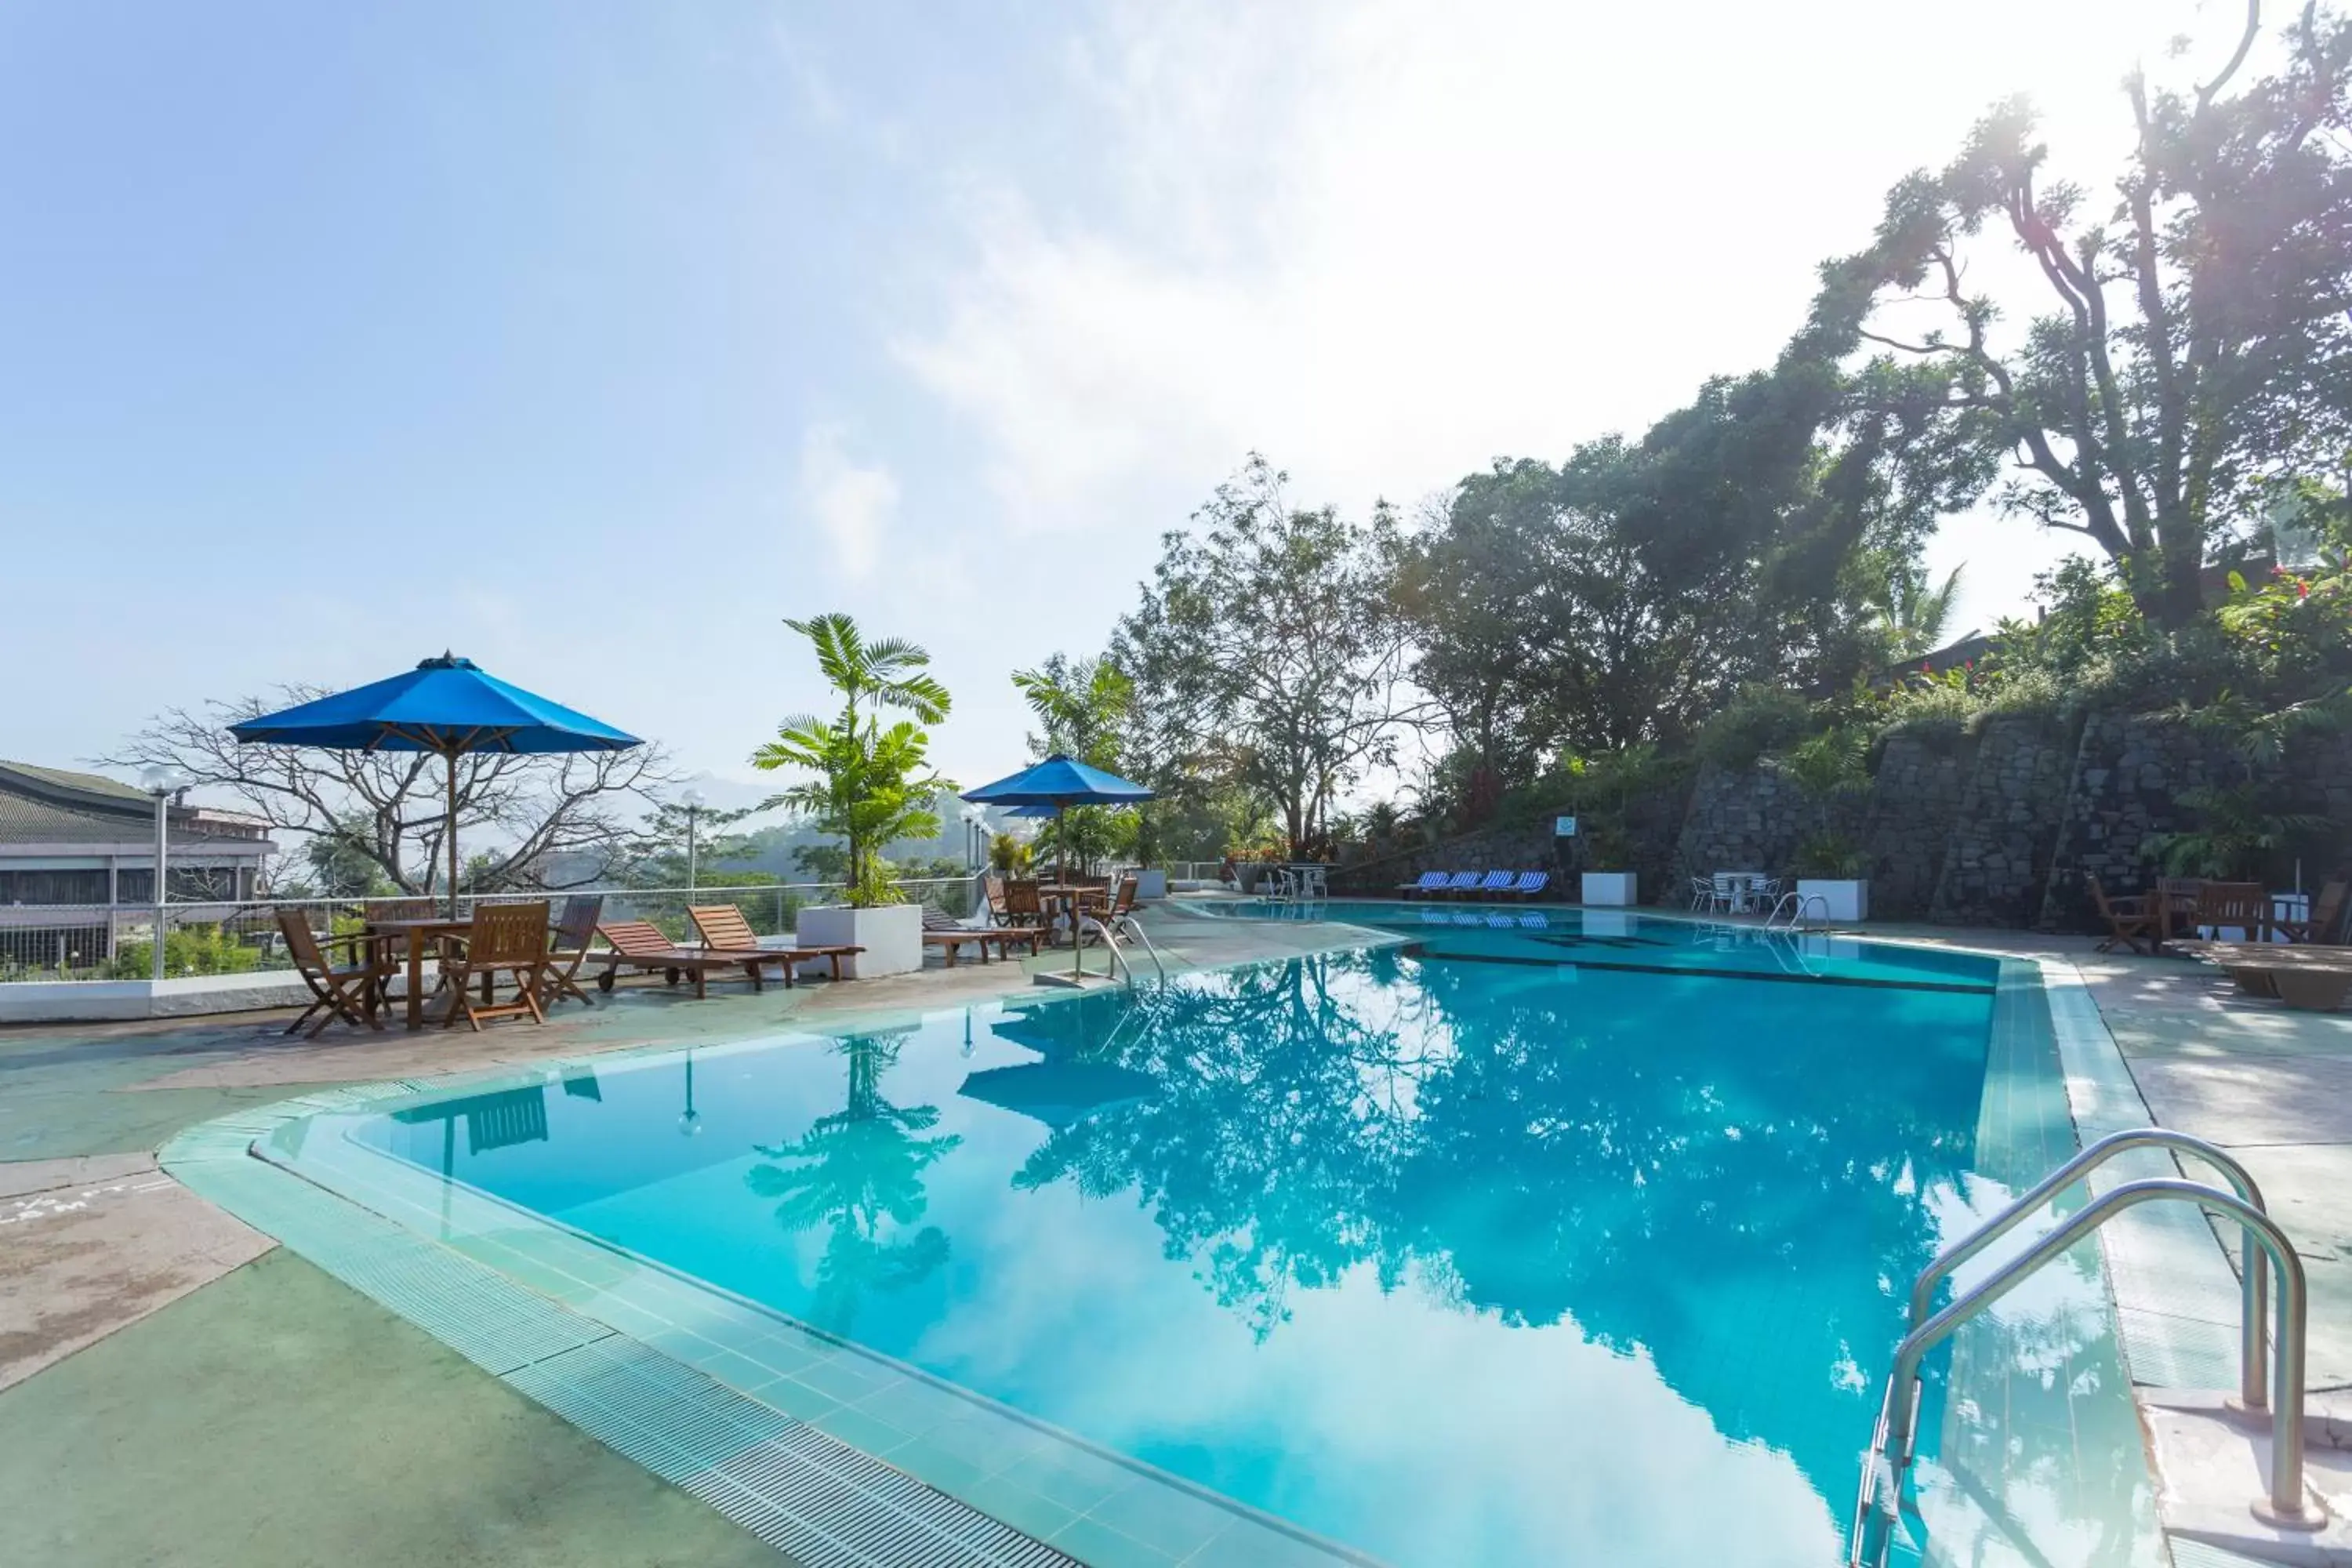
x=445, y=705
x=1061, y=782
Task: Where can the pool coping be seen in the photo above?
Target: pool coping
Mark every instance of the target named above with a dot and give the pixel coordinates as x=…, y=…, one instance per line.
x=659, y=1392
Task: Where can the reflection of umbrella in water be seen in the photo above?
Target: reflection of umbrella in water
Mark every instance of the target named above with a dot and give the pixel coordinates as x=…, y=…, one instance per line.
x=1063, y=1029
x=1056, y=1093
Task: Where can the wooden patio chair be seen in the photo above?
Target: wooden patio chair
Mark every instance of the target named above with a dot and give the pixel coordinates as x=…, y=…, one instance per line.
x=724, y=930
x=352, y=992
x=2241, y=907
x=508, y=938
x=640, y=945
x=575, y=934
x=1120, y=908
x=2129, y=919
x=1024, y=907
x=991, y=892
x=2326, y=922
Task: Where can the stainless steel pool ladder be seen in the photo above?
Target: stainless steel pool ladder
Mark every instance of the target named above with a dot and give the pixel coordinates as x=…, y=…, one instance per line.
x=1119, y=958
x=1795, y=904
x=2266, y=1246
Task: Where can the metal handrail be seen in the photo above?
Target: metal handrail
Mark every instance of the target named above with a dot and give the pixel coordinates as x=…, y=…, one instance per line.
x=2090, y=1157
x=2284, y=1506
x=1119, y=958
x=1795, y=903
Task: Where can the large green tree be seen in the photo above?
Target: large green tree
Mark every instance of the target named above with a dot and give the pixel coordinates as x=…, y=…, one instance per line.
x=1267, y=649
x=2191, y=345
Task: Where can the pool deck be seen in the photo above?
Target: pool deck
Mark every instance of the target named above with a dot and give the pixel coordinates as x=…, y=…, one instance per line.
x=137, y=1320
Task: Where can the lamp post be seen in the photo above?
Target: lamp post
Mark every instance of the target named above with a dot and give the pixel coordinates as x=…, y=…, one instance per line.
x=972, y=817
x=694, y=799
x=160, y=781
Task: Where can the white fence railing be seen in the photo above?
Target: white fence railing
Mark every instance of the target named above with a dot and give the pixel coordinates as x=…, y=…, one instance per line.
x=116, y=942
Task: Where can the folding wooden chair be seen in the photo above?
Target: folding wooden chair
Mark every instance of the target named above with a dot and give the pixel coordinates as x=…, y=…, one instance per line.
x=509, y=938
x=2129, y=919
x=2326, y=917
x=351, y=992
x=576, y=933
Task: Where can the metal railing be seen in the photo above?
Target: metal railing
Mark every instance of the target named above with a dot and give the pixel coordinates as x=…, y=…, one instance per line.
x=1795, y=905
x=115, y=942
x=2285, y=1504
x=1119, y=958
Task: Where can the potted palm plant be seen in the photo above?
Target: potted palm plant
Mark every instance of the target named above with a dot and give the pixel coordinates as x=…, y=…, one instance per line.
x=870, y=784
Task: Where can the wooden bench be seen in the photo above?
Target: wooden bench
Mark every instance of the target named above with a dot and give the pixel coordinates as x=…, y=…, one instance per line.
x=2315, y=979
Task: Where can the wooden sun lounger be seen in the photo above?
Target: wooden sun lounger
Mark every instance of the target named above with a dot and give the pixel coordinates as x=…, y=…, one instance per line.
x=639, y=944
x=725, y=931
x=2314, y=979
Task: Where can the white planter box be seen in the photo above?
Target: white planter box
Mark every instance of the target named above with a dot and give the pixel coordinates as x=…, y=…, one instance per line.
x=1151, y=884
x=1840, y=900
x=892, y=936
x=1611, y=889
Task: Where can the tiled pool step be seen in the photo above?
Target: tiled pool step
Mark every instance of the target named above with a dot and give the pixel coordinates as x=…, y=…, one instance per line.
x=836, y=1457
x=811, y=1497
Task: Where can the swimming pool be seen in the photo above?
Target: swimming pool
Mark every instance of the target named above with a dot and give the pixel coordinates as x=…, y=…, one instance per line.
x=1583, y=1240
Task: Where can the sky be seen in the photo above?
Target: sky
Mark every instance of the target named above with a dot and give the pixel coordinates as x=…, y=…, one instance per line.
x=591, y=340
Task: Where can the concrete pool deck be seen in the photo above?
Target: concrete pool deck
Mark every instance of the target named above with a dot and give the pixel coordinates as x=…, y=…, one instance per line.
x=136, y=1319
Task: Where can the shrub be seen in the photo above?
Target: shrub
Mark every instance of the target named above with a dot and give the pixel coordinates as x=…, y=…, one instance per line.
x=1761, y=719
x=187, y=950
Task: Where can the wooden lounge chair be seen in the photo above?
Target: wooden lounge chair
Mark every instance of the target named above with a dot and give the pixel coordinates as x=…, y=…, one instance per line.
x=724, y=930
x=575, y=934
x=2311, y=978
x=2327, y=922
x=2129, y=920
x=508, y=938
x=352, y=992
x=1429, y=882
x=640, y=945
x=951, y=936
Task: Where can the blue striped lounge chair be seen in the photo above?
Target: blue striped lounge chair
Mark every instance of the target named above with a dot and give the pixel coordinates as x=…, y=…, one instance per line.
x=1530, y=883
x=1496, y=882
x=1430, y=883
x=1462, y=884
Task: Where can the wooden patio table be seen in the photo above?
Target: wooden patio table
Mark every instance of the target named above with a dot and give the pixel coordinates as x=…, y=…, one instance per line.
x=419, y=934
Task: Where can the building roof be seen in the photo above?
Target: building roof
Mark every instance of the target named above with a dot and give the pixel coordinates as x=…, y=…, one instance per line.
x=62, y=781
x=53, y=806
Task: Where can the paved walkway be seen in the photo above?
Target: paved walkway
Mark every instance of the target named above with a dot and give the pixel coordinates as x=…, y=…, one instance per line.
x=173, y=1390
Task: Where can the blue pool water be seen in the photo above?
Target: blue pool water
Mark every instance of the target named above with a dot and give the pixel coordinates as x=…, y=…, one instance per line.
x=1583, y=1241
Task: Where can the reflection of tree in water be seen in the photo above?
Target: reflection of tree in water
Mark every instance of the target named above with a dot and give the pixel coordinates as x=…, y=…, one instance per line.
x=1279, y=1122
x=1515, y=1148
x=860, y=1173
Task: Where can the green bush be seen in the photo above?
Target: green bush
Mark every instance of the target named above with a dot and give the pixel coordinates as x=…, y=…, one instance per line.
x=187, y=950
x=1761, y=718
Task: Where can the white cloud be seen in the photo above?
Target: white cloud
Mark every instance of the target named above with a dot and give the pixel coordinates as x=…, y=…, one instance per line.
x=1385, y=242
x=852, y=503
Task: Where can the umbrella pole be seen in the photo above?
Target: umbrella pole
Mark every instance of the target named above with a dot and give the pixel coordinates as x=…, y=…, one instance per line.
x=1062, y=871
x=449, y=830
